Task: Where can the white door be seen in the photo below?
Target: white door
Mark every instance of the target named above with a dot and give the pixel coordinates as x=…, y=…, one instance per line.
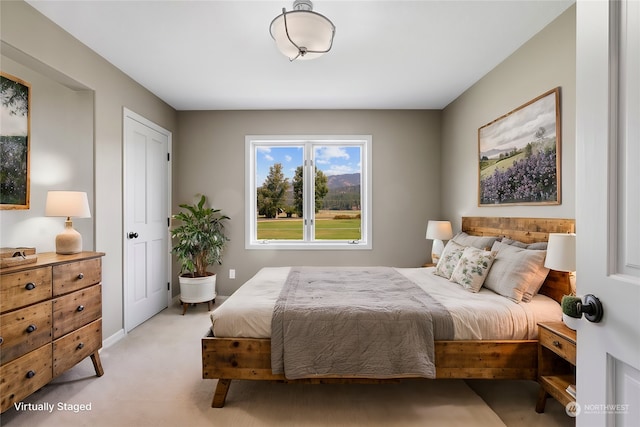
x=146, y=207
x=608, y=210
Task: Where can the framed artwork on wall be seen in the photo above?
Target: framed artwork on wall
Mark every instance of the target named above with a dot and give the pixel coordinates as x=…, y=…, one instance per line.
x=519, y=155
x=15, y=109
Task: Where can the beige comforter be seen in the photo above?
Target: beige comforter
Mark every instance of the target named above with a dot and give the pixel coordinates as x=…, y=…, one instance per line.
x=483, y=315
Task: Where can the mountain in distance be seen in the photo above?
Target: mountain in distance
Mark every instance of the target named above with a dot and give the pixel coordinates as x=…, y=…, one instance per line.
x=340, y=181
x=494, y=153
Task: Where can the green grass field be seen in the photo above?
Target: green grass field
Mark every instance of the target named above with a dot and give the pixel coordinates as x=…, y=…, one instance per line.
x=326, y=228
x=490, y=166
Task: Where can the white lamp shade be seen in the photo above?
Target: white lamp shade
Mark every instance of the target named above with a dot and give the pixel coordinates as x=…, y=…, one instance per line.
x=439, y=230
x=561, y=252
x=67, y=204
x=307, y=29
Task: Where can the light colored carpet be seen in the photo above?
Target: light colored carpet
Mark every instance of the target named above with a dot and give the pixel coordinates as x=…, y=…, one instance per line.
x=153, y=378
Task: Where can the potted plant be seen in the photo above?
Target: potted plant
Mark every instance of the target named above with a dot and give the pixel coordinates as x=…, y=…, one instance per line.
x=199, y=242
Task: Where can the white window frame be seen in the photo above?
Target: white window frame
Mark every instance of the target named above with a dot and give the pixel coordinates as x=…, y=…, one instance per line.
x=366, y=227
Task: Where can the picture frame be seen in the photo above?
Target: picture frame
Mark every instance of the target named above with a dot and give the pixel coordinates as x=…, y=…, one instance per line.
x=519, y=158
x=15, y=138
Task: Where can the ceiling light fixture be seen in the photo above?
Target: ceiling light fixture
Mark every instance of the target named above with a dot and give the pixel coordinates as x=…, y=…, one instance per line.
x=302, y=33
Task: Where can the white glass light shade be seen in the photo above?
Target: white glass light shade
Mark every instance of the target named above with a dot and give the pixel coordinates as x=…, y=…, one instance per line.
x=439, y=230
x=310, y=34
x=561, y=252
x=67, y=204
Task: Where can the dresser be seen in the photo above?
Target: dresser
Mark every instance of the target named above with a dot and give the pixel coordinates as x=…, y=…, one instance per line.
x=50, y=319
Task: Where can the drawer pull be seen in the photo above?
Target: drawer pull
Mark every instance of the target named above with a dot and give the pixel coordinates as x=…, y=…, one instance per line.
x=31, y=328
x=30, y=286
x=80, y=276
x=557, y=344
x=80, y=346
x=1, y=340
x=31, y=374
x=80, y=308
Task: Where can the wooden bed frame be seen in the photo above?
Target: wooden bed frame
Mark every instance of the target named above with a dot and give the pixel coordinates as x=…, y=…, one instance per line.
x=250, y=359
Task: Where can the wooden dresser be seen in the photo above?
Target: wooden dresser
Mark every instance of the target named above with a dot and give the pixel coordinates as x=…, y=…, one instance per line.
x=50, y=319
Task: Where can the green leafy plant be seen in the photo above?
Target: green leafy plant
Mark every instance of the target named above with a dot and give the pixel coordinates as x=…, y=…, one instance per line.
x=199, y=239
x=569, y=305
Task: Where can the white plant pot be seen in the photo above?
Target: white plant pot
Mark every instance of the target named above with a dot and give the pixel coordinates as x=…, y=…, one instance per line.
x=571, y=322
x=197, y=289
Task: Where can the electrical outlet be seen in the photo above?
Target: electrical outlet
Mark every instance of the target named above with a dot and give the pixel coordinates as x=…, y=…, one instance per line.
x=232, y=273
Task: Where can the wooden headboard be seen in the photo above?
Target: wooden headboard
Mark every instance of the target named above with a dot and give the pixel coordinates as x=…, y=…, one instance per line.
x=527, y=230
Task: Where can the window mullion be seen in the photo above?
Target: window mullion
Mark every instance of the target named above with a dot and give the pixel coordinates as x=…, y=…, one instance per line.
x=307, y=190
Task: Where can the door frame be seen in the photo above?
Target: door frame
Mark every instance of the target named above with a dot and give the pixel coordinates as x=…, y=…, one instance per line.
x=129, y=114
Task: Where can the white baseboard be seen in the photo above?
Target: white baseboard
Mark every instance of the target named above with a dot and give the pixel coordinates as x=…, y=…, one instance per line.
x=113, y=339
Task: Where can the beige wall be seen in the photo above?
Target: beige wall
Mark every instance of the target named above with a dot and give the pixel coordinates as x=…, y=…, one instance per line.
x=543, y=63
x=406, y=180
x=60, y=157
x=44, y=45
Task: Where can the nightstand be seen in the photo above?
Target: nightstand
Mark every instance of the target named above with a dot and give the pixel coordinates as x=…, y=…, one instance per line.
x=556, y=363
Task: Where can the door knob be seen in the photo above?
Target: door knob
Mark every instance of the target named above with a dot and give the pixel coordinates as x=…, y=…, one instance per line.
x=133, y=235
x=591, y=307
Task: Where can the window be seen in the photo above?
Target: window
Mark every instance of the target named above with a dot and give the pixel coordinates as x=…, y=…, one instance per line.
x=308, y=192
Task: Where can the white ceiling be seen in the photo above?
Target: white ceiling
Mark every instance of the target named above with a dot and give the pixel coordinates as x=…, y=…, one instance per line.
x=219, y=55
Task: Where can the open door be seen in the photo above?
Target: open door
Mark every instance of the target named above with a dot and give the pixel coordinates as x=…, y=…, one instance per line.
x=608, y=210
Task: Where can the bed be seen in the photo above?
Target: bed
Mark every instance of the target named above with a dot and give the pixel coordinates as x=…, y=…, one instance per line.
x=242, y=349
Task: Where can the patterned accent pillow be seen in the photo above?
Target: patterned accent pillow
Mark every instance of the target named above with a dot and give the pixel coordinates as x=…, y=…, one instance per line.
x=449, y=259
x=472, y=268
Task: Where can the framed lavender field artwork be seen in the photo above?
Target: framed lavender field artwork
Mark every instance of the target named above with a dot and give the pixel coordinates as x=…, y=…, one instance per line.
x=15, y=107
x=519, y=155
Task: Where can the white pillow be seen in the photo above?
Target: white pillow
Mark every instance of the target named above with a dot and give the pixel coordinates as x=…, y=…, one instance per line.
x=472, y=268
x=516, y=273
x=449, y=259
x=536, y=246
x=480, y=242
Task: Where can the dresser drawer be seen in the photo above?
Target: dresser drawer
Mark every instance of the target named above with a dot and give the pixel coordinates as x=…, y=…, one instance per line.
x=24, y=288
x=75, y=346
x=24, y=330
x=560, y=345
x=76, y=275
x=25, y=375
x=75, y=310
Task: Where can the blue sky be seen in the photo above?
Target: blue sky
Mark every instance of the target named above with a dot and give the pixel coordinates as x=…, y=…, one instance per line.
x=331, y=159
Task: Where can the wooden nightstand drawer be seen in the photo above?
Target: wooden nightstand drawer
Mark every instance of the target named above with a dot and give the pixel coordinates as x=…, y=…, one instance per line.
x=75, y=346
x=556, y=363
x=24, y=288
x=25, y=375
x=24, y=330
x=560, y=345
x=76, y=275
x=75, y=310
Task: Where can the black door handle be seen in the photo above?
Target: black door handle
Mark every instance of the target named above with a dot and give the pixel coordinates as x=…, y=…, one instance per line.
x=591, y=308
x=133, y=235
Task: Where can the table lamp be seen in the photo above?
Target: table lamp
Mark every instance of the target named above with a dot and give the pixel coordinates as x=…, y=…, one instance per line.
x=561, y=255
x=68, y=204
x=438, y=231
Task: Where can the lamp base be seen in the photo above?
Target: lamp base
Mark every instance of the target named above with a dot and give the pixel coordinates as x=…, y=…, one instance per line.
x=436, y=250
x=69, y=241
